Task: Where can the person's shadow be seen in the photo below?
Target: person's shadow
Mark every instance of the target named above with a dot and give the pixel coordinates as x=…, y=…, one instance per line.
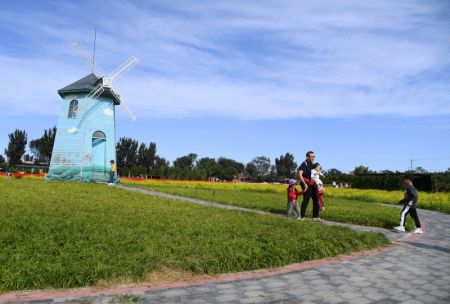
x=429, y=246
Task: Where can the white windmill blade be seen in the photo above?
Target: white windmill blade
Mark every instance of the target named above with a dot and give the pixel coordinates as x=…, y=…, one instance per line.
x=88, y=100
x=97, y=71
x=97, y=91
x=124, y=106
x=131, y=62
x=85, y=105
x=130, y=113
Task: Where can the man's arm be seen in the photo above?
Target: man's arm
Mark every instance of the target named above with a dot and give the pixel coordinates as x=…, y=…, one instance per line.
x=300, y=177
x=413, y=196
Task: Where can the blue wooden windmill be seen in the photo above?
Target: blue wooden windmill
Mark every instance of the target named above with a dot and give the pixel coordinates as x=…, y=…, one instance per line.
x=85, y=140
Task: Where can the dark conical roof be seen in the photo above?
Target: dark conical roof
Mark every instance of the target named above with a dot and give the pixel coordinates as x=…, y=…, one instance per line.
x=85, y=85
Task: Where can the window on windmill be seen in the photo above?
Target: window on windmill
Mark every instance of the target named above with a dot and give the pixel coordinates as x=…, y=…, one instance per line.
x=73, y=108
x=98, y=134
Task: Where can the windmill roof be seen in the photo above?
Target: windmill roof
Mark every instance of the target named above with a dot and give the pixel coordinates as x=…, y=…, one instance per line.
x=85, y=85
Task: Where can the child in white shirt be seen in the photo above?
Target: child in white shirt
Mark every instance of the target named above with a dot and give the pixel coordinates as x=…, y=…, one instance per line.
x=315, y=176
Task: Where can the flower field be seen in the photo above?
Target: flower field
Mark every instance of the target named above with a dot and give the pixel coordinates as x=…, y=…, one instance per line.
x=431, y=201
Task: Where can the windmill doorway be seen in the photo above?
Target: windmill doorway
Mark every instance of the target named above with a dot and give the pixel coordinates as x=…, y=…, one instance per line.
x=98, y=154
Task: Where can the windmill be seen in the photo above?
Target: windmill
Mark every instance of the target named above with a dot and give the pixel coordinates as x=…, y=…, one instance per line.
x=106, y=81
x=85, y=138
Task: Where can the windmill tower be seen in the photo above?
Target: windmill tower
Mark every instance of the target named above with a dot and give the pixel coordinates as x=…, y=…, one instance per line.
x=85, y=140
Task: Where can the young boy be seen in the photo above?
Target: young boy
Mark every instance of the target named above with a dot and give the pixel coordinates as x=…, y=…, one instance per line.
x=315, y=176
x=293, y=194
x=112, y=173
x=409, y=206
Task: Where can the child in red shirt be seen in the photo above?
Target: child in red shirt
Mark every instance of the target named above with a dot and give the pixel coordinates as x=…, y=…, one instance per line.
x=293, y=193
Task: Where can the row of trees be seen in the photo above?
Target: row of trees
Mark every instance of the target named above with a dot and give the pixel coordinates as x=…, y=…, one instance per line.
x=41, y=148
x=134, y=159
x=140, y=159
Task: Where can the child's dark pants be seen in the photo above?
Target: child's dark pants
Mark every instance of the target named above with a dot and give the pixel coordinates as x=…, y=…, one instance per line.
x=111, y=177
x=411, y=211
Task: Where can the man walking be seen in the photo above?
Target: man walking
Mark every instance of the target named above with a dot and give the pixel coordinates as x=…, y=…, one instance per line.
x=308, y=185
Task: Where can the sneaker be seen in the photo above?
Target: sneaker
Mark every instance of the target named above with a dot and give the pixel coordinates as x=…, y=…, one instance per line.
x=316, y=219
x=110, y=184
x=418, y=231
x=400, y=228
x=299, y=219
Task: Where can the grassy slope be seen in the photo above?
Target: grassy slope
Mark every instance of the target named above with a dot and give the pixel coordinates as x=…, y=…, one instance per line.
x=58, y=234
x=339, y=210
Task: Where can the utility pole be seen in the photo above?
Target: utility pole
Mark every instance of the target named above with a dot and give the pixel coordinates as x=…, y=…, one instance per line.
x=411, y=161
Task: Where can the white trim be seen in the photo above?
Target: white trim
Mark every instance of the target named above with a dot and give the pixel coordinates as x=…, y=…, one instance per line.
x=403, y=216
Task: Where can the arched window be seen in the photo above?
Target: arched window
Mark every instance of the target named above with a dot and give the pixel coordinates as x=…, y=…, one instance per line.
x=99, y=135
x=99, y=162
x=73, y=108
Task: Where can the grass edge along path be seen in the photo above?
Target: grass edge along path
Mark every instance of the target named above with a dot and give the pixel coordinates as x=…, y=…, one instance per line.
x=66, y=234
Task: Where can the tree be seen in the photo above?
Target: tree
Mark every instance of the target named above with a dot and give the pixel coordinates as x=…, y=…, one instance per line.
x=362, y=170
x=421, y=170
x=28, y=157
x=161, y=167
x=229, y=169
x=16, y=146
x=333, y=171
x=126, y=153
x=2, y=159
x=42, y=148
x=208, y=165
x=251, y=169
x=183, y=167
x=273, y=172
x=262, y=165
x=286, y=166
x=387, y=172
x=186, y=162
x=146, y=157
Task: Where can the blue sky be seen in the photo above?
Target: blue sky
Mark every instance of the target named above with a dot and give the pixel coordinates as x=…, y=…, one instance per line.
x=358, y=82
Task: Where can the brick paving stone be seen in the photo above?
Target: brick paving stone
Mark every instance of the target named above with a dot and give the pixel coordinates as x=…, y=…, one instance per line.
x=174, y=293
x=275, y=284
x=227, y=298
x=411, y=302
x=359, y=300
x=351, y=294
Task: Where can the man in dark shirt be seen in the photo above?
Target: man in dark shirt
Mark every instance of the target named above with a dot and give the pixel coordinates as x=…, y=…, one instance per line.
x=308, y=185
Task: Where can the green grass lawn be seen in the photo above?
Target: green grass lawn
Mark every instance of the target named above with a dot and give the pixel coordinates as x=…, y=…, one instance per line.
x=337, y=209
x=61, y=234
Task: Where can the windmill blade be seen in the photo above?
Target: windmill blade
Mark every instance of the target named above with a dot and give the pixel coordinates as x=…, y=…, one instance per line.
x=124, y=106
x=97, y=71
x=89, y=99
x=127, y=110
x=97, y=91
x=127, y=65
x=89, y=105
x=85, y=105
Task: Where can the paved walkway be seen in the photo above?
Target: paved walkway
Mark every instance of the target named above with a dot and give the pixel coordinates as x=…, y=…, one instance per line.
x=415, y=271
